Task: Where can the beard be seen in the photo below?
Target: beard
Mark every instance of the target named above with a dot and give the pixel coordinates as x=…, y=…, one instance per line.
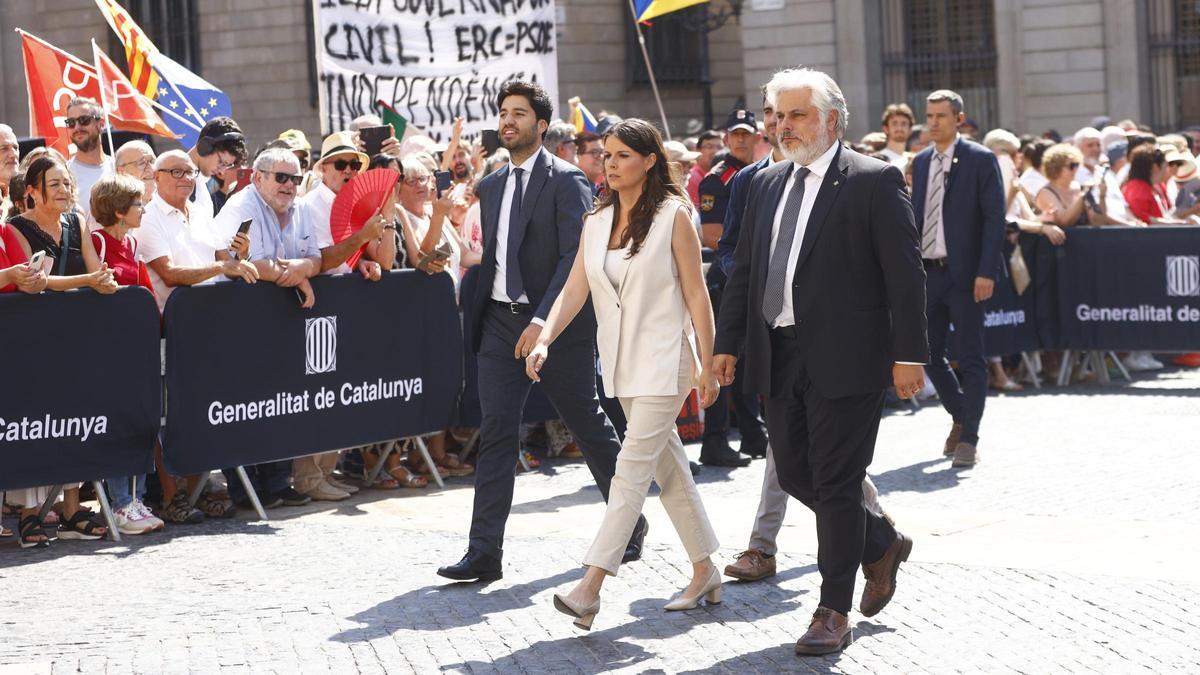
x=88, y=143
x=523, y=141
x=462, y=171
x=807, y=154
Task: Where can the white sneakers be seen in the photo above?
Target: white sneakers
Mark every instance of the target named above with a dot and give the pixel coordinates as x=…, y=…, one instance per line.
x=1139, y=362
x=135, y=518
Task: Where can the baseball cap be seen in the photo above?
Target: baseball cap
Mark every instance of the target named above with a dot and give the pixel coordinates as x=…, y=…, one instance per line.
x=741, y=119
x=296, y=139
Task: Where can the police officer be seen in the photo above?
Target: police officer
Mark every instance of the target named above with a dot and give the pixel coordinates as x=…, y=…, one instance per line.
x=741, y=138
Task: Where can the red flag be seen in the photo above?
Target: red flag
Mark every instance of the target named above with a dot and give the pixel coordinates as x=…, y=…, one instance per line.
x=129, y=110
x=54, y=77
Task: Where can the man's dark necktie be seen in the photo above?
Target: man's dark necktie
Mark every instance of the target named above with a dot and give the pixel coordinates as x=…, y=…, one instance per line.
x=514, y=285
x=772, y=303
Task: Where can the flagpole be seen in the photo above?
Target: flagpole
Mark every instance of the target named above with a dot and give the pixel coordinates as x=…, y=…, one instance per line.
x=653, y=82
x=112, y=151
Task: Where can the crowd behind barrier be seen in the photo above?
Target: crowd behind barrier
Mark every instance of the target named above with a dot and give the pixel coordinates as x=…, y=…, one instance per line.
x=250, y=371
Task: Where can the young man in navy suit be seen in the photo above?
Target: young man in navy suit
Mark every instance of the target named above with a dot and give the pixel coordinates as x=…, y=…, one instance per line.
x=532, y=214
x=958, y=200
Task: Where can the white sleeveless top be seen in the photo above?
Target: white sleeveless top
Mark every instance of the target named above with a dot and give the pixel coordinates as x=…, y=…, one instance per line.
x=642, y=322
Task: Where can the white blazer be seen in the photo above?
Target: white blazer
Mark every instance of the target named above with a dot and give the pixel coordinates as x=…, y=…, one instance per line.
x=642, y=328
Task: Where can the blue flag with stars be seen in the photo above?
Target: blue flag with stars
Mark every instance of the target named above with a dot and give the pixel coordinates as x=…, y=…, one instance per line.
x=187, y=100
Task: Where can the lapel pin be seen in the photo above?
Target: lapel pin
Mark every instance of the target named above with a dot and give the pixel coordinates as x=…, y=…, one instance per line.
x=835, y=183
x=954, y=161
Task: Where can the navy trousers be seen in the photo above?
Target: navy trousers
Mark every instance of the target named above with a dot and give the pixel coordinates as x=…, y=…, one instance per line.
x=946, y=303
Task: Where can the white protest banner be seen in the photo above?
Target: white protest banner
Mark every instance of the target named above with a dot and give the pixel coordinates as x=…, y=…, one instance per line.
x=432, y=60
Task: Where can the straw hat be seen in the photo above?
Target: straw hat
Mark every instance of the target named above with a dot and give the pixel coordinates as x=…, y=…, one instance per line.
x=340, y=143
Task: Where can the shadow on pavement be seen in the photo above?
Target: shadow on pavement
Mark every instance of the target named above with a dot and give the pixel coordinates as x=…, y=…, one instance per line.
x=915, y=478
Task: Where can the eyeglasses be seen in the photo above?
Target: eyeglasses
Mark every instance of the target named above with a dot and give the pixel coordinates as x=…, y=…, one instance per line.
x=180, y=173
x=596, y=153
x=282, y=178
x=82, y=120
x=416, y=180
x=341, y=164
x=225, y=166
x=139, y=163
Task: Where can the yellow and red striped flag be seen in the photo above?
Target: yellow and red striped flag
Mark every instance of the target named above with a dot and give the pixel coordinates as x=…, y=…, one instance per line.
x=138, y=47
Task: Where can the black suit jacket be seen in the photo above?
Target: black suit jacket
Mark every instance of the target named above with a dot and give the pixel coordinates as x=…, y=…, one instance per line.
x=973, y=211
x=859, y=289
x=556, y=197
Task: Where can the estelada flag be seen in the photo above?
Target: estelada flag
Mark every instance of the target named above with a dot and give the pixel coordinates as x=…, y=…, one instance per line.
x=138, y=48
x=128, y=109
x=53, y=78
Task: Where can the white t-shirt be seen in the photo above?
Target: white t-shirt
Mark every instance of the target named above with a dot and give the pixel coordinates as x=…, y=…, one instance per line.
x=896, y=159
x=1033, y=181
x=420, y=226
x=166, y=231
x=317, y=205
x=87, y=175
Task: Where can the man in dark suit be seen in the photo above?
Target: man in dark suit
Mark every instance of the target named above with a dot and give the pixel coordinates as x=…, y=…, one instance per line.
x=958, y=197
x=532, y=214
x=826, y=295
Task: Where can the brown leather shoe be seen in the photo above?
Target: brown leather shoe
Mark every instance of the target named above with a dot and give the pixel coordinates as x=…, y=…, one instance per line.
x=952, y=440
x=965, y=455
x=881, y=576
x=751, y=565
x=829, y=632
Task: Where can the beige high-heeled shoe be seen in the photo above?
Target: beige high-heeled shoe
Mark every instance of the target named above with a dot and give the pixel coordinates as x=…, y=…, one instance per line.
x=710, y=591
x=584, y=614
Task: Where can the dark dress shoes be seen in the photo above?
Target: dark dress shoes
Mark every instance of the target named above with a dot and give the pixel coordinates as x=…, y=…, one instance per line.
x=633, y=551
x=881, y=576
x=829, y=632
x=756, y=448
x=720, y=454
x=474, y=566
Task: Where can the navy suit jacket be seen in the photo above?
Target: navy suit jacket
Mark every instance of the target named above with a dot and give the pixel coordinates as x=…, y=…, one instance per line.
x=555, y=199
x=973, y=212
x=733, y=212
x=858, y=294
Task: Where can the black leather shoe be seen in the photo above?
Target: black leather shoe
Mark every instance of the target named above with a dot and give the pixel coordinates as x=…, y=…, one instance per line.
x=474, y=566
x=721, y=455
x=634, y=550
x=755, y=448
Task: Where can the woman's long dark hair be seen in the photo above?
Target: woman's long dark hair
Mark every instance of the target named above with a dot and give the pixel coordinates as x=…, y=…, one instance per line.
x=644, y=139
x=35, y=176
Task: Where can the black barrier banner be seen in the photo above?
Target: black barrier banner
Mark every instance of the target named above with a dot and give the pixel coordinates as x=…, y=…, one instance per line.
x=1009, y=325
x=1129, y=288
x=252, y=377
x=82, y=397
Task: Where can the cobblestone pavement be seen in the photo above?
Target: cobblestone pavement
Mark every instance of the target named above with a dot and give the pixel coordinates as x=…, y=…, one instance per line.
x=1070, y=548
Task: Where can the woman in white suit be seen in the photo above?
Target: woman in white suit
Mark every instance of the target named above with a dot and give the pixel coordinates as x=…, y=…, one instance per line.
x=639, y=259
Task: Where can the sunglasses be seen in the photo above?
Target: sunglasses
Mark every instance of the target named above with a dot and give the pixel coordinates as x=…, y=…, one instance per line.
x=180, y=173
x=82, y=120
x=281, y=178
x=341, y=164
x=1074, y=165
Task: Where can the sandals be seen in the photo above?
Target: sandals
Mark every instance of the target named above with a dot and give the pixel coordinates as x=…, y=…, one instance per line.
x=450, y=465
x=84, y=525
x=216, y=504
x=31, y=529
x=409, y=479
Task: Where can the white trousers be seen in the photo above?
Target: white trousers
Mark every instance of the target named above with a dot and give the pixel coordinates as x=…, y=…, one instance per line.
x=652, y=450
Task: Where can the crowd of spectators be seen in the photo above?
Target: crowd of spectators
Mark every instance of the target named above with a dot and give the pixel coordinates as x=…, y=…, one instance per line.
x=171, y=219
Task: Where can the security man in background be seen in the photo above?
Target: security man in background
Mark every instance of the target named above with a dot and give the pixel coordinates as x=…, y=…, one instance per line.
x=741, y=138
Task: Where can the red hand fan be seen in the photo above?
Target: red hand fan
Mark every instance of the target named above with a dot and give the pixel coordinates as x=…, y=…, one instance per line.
x=356, y=202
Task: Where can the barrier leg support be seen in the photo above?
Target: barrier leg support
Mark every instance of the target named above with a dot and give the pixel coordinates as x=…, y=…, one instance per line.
x=388, y=449
x=195, y=496
x=472, y=445
x=251, y=494
x=1064, y=371
x=106, y=509
x=54, y=490
x=433, y=470
x=1027, y=363
x=1120, y=366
